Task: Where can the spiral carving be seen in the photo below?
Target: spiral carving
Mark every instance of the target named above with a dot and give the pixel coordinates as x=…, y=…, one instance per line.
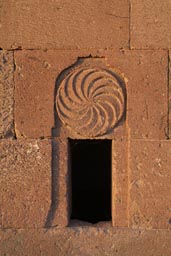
x=90, y=101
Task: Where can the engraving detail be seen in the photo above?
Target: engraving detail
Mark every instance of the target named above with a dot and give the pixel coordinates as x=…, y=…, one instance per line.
x=90, y=101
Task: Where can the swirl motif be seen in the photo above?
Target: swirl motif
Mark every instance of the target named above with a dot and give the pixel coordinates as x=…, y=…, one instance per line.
x=90, y=101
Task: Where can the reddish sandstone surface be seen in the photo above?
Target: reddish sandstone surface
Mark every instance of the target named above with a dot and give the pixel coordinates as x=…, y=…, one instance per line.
x=38, y=41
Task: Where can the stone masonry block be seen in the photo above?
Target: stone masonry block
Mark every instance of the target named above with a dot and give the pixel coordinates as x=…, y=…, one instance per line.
x=64, y=24
x=25, y=183
x=34, y=183
x=6, y=94
x=145, y=74
x=150, y=24
x=147, y=91
x=84, y=240
x=150, y=179
x=169, y=128
x=120, y=183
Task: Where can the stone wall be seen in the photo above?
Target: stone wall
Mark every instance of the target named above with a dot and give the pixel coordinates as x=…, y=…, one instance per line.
x=41, y=44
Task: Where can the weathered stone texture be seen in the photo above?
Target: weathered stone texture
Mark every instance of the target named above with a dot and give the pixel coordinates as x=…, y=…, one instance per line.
x=147, y=87
x=85, y=241
x=64, y=24
x=120, y=183
x=145, y=74
x=150, y=24
x=25, y=183
x=6, y=94
x=150, y=179
x=169, y=128
x=133, y=38
x=59, y=211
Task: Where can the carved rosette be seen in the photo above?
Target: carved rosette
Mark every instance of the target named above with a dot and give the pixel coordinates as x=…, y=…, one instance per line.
x=90, y=100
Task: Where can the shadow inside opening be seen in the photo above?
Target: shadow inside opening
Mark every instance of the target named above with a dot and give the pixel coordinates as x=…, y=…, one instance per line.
x=91, y=180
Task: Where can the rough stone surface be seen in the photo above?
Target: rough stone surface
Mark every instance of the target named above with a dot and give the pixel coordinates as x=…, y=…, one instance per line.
x=86, y=241
x=145, y=74
x=6, y=94
x=147, y=91
x=150, y=24
x=59, y=211
x=64, y=24
x=34, y=184
x=169, y=128
x=120, y=183
x=25, y=183
x=131, y=39
x=150, y=178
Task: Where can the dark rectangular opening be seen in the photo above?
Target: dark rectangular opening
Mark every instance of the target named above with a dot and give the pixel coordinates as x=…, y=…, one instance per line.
x=91, y=180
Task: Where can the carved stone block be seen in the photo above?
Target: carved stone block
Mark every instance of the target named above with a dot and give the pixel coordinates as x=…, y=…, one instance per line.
x=91, y=98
